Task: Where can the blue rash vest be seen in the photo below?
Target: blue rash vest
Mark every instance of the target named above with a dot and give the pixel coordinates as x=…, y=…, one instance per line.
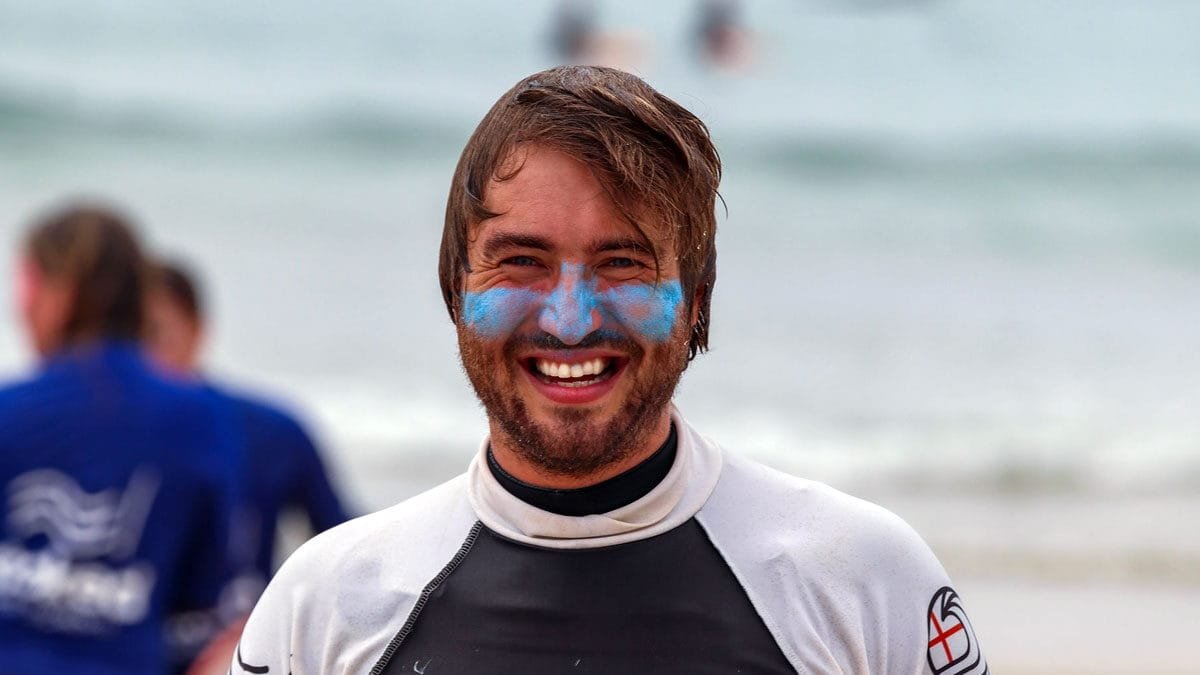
x=117, y=500
x=283, y=470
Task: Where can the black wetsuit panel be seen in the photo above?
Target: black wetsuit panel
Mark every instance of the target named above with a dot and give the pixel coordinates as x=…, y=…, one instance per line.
x=668, y=604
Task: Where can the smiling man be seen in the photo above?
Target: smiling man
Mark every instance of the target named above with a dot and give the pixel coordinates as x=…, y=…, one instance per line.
x=574, y=337
x=596, y=531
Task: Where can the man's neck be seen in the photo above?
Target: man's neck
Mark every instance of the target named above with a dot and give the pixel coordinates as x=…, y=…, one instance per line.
x=516, y=465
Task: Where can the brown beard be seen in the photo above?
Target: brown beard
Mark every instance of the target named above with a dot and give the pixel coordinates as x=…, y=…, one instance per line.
x=573, y=447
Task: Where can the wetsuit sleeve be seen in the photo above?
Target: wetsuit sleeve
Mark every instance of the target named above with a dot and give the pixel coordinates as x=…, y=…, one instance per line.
x=194, y=615
x=295, y=627
x=216, y=482
x=207, y=565
x=337, y=602
x=910, y=599
x=314, y=490
x=331, y=608
x=265, y=644
x=842, y=584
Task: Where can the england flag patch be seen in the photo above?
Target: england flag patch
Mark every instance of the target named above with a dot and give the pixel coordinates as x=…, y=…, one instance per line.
x=953, y=649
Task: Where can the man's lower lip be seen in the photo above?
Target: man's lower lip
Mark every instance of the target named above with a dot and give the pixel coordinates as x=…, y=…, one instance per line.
x=575, y=395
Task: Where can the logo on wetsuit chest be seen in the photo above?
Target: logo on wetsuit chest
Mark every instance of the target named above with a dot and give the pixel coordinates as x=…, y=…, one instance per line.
x=953, y=649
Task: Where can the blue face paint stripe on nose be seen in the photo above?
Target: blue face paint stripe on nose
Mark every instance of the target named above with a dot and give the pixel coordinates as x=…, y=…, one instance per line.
x=568, y=310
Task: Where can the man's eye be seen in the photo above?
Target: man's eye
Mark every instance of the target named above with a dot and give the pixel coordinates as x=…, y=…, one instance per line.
x=520, y=261
x=622, y=263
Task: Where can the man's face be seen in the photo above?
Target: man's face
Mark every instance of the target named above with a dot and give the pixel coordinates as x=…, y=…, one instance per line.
x=174, y=337
x=44, y=305
x=573, y=339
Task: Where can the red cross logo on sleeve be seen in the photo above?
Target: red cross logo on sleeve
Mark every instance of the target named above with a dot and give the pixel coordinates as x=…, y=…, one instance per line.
x=942, y=636
x=952, y=648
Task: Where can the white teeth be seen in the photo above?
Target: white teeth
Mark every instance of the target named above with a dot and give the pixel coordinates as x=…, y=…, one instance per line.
x=571, y=370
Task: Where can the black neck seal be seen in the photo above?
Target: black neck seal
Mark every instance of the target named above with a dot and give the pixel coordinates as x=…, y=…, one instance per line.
x=609, y=495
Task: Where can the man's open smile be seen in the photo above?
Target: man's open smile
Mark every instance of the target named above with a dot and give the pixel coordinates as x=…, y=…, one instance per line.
x=575, y=377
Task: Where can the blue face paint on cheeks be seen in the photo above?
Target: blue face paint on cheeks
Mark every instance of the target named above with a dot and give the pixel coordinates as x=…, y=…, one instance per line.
x=648, y=310
x=569, y=310
x=498, y=312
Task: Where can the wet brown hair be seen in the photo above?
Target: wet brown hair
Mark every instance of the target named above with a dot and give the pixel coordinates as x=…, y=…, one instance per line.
x=653, y=157
x=95, y=251
x=177, y=282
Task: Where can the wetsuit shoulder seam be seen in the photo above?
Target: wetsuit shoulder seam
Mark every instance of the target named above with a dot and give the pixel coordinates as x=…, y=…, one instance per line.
x=433, y=585
x=772, y=627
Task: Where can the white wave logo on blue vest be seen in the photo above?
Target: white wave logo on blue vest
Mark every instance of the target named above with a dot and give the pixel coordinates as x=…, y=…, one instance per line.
x=67, y=564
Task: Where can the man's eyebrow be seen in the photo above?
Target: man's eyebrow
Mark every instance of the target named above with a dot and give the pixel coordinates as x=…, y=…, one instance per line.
x=621, y=244
x=507, y=240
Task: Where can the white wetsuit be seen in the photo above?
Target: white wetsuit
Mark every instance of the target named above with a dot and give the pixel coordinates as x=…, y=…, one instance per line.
x=724, y=566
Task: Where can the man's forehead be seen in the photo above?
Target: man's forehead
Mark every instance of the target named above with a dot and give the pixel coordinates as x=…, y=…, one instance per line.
x=537, y=172
x=547, y=193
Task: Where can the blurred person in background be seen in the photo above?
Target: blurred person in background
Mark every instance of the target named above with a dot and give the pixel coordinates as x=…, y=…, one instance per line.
x=284, y=468
x=577, y=37
x=721, y=39
x=596, y=531
x=117, y=483
x=573, y=27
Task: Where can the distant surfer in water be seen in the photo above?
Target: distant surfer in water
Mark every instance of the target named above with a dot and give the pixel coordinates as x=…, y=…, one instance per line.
x=577, y=38
x=720, y=37
x=118, y=483
x=596, y=530
x=574, y=29
x=721, y=40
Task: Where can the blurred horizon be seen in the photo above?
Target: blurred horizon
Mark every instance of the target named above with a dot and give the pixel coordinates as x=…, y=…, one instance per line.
x=972, y=222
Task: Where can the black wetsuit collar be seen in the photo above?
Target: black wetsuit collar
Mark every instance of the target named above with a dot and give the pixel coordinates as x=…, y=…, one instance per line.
x=603, y=497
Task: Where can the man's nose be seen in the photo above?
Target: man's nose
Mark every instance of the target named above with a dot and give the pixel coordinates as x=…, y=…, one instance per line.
x=572, y=311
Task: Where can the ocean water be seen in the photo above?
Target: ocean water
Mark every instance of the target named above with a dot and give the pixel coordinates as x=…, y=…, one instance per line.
x=961, y=252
